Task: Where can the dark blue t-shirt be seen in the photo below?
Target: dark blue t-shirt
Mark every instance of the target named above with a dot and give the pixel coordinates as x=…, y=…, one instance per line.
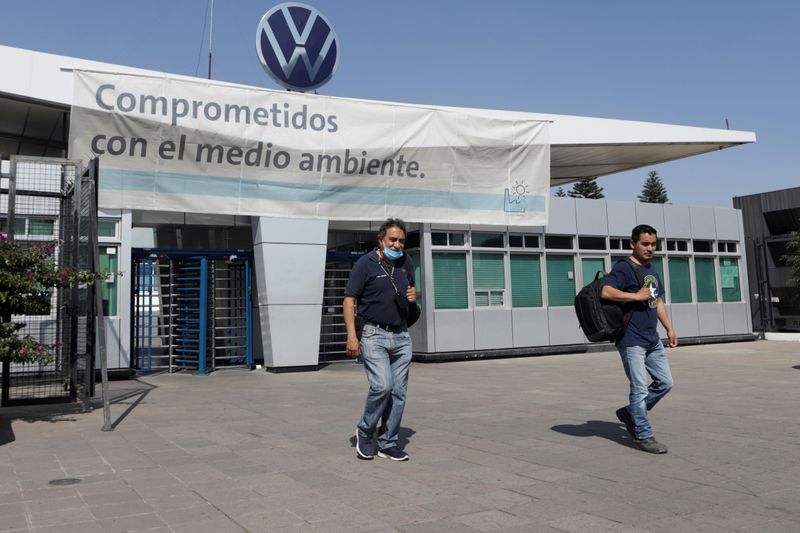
x=642, y=329
x=369, y=284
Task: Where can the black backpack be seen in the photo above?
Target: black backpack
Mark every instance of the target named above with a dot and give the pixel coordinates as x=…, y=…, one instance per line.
x=604, y=320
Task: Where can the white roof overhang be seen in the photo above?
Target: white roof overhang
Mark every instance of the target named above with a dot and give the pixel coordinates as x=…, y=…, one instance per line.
x=36, y=92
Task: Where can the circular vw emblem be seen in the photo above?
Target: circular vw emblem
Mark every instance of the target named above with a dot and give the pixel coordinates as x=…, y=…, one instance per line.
x=297, y=46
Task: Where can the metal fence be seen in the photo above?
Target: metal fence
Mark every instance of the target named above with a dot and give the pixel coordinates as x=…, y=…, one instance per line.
x=46, y=200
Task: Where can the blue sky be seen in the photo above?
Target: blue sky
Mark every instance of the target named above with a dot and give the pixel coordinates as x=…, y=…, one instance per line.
x=693, y=63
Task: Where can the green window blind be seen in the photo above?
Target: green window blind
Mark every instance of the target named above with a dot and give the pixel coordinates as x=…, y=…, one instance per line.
x=560, y=282
x=19, y=225
x=488, y=278
x=679, y=280
x=526, y=281
x=107, y=228
x=590, y=266
x=450, y=281
x=729, y=279
x=108, y=288
x=417, y=276
x=705, y=278
x=40, y=227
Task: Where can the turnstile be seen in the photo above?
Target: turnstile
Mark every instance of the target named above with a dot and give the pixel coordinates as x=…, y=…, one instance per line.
x=191, y=310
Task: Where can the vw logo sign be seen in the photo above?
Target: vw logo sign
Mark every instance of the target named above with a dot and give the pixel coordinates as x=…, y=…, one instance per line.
x=297, y=46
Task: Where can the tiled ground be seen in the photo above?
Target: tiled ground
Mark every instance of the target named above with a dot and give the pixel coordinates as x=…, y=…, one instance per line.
x=515, y=445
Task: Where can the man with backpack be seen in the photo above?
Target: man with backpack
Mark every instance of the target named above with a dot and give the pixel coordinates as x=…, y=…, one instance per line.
x=636, y=283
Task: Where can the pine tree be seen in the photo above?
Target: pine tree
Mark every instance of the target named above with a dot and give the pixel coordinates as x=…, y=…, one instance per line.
x=653, y=191
x=587, y=188
x=560, y=193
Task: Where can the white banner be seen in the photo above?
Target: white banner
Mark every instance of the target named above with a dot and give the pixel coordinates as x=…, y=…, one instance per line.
x=202, y=147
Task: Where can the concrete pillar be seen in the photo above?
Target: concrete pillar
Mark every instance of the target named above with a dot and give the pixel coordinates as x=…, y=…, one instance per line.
x=290, y=274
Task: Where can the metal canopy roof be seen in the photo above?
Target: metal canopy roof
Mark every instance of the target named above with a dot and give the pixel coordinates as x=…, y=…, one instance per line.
x=31, y=128
x=36, y=93
x=570, y=163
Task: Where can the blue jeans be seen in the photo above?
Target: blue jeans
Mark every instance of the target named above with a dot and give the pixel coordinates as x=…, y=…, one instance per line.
x=639, y=362
x=387, y=358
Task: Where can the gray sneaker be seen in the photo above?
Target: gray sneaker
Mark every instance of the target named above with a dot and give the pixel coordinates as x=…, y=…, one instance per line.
x=394, y=453
x=651, y=445
x=365, y=448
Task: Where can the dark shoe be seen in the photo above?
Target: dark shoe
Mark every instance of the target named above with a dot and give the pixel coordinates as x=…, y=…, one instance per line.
x=394, y=453
x=651, y=445
x=365, y=448
x=625, y=417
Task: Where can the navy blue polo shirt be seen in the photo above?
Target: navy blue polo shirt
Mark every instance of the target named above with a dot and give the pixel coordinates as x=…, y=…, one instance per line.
x=642, y=330
x=369, y=284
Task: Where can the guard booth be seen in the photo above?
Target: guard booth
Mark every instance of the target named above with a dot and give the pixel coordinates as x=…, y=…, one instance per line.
x=191, y=310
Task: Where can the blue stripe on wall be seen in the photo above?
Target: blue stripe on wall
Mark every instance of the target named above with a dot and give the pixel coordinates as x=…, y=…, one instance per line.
x=190, y=184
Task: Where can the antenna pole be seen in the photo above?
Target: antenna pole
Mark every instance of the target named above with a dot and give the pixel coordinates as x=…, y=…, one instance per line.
x=210, y=35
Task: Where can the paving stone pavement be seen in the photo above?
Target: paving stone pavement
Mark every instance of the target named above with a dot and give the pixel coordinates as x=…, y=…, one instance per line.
x=513, y=445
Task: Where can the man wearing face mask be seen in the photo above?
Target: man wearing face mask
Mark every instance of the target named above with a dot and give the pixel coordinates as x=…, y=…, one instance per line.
x=381, y=284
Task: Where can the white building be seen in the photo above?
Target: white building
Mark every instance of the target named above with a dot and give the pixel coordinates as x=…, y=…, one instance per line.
x=486, y=290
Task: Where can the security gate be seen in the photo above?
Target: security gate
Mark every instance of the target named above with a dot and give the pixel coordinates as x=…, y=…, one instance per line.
x=333, y=334
x=191, y=310
x=53, y=202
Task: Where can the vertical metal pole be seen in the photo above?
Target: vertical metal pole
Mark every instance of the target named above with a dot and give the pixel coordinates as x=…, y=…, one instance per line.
x=203, y=324
x=170, y=328
x=98, y=300
x=74, y=308
x=133, y=360
x=210, y=36
x=213, y=319
x=149, y=331
x=12, y=200
x=6, y=316
x=248, y=315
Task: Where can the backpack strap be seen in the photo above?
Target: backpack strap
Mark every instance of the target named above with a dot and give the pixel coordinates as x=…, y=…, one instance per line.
x=637, y=271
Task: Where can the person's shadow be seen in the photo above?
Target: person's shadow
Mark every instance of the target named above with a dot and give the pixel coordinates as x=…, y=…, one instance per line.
x=403, y=437
x=613, y=431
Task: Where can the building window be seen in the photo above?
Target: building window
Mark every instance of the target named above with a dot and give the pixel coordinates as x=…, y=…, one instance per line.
x=450, y=281
x=592, y=243
x=487, y=240
x=523, y=241
x=560, y=280
x=30, y=226
x=680, y=287
x=728, y=247
x=675, y=245
x=590, y=266
x=558, y=242
x=446, y=238
x=108, y=288
x=412, y=240
x=41, y=227
x=618, y=243
x=526, y=281
x=705, y=278
x=703, y=247
x=729, y=279
x=107, y=228
x=19, y=225
x=488, y=279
